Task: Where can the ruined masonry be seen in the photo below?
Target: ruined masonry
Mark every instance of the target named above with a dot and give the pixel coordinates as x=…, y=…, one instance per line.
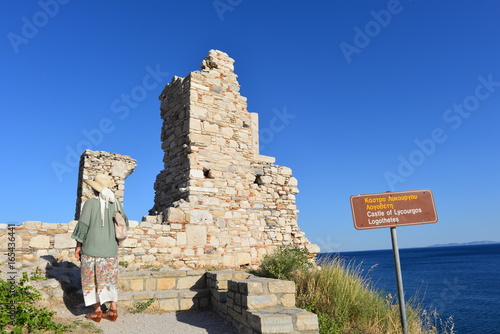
x=219, y=201
x=100, y=162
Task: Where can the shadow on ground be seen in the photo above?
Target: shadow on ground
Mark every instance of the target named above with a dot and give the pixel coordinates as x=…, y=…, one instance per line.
x=68, y=275
x=206, y=320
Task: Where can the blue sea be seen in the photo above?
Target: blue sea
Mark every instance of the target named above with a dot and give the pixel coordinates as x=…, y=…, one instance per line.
x=458, y=281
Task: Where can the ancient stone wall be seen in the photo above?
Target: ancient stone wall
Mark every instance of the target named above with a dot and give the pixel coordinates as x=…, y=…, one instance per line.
x=118, y=166
x=220, y=201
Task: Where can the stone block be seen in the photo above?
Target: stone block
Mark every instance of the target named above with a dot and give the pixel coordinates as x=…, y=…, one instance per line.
x=198, y=112
x=263, y=322
x=181, y=238
x=228, y=260
x=200, y=217
x=175, y=215
x=64, y=241
x=233, y=285
x=195, y=124
x=186, y=304
x=253, y=287
x=163, y=242
x=49, y=226
x=173, y=273
x=136, y=285
x=32, y=225
x=219, y=296
x=196, y=272
x=313, y=248
x=259, y=302
x=286, y=171
x=6, y=239
x=40, y=241
x=132, y=224
x=191, y=282
x=196, y=173
x=210, y=127
x=176, y=226
x=227, y=132
x=293, y=182
x=306, y=321
x=150, y=284
x=129, y=243
x=281, y=286
x=134, y=275
x=196, y=235
x=243, y=259
x=169, y=305
x=145, y=223
x=166, y=283
x=287, y=300
x=143, y=296
x=199, y=139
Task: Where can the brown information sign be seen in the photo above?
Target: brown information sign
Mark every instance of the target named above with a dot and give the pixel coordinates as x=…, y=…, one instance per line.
x=393, y=209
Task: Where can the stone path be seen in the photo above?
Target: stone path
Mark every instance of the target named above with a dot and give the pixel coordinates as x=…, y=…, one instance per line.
x=148, y=322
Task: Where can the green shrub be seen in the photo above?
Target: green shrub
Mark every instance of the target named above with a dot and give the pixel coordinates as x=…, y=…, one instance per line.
x=141, y=306
x=283, y=263
x=18, y=311
x=123, y=264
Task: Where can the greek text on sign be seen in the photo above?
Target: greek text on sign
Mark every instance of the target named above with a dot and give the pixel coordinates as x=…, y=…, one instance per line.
x=393, y=209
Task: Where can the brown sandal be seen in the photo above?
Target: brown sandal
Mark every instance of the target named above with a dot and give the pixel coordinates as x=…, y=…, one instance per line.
x=111, y=315
x=96, y=316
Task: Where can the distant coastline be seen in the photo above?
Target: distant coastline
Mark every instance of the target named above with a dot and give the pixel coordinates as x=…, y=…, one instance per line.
x=472, y=243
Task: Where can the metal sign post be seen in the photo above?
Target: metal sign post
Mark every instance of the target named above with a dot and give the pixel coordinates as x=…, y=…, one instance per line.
x=399, y=280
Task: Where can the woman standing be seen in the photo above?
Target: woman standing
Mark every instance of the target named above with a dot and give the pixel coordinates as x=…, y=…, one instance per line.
x=97, y=248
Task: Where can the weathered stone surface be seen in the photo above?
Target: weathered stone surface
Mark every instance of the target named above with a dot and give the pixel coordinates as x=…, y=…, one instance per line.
x=214, y=175
x=6, y=242
x=196, y=235
x=32, y=225
x=218, y=202
x=313, y=248
x=201, y=217
x=190, y=282
x=129, y=243
x=64, y=241
x=264, y=322
x=174, y=215
x=259, y=301
x=163, y=242
x=307, y=321
x=281, y=286
x=40, y=241
x=100, y=162
x=166, y=283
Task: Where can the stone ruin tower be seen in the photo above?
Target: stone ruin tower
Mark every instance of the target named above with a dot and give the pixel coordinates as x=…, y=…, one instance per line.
x=118, y=166
x=219, y=200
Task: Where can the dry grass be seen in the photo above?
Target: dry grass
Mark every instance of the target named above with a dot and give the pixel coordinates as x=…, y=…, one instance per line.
x=345, y=302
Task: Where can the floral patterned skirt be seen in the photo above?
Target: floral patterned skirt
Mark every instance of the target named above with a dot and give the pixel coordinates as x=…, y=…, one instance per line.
x=99, y=279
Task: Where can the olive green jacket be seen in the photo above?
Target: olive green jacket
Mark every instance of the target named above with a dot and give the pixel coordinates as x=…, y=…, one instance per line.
x=97, y=236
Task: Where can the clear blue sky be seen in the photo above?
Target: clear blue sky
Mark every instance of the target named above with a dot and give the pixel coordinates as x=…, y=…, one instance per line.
x=380, y=95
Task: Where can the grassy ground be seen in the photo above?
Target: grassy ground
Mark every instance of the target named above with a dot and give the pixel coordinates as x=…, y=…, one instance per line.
x=344, y=299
